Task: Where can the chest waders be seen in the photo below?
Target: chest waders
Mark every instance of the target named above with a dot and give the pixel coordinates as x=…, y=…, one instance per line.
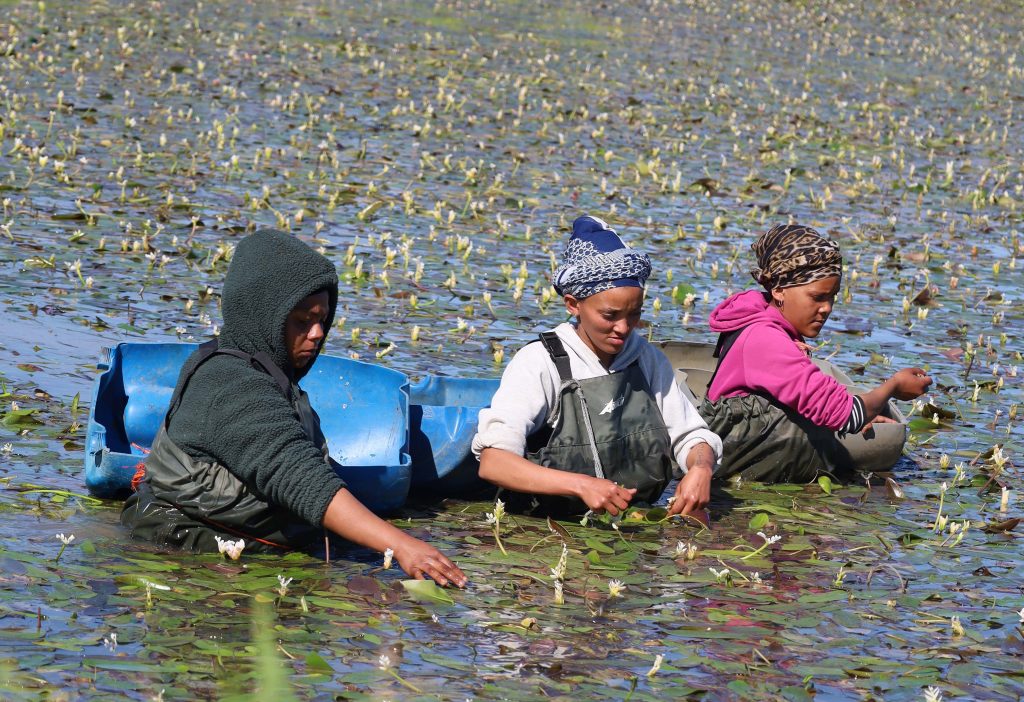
x=764, y=441
x=609, y=427
x=185, y=502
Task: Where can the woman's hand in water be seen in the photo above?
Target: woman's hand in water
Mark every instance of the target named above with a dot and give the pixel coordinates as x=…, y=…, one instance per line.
x=602, y=495
x=911, y=383
x=693, y=491
x=421, y=560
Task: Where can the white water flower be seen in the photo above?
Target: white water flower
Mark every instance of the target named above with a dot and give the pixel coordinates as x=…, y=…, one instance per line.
x=282, y=590
x=657, y=665
x=932, y=694
x=389, y=555
x=558, y=572
x=384, y=662
x=494, y=518
x=998, y=457
x=111, y=642
x=615, y=588
x=1021, y=615
x=956, y=626
x=66, y=539
x=233, y=549
x=961, y=473
x=769, y=540
x=685, y=549
x=756, y=578
x=7, y=448
x=720, y=575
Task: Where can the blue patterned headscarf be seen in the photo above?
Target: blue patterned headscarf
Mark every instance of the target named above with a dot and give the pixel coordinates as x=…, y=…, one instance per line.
x=596, y=260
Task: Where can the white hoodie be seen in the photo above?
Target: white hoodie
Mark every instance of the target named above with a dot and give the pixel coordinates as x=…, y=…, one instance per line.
x=529, y=387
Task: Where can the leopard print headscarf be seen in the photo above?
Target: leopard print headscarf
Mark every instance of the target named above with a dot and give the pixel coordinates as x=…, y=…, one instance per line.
x=790, y=255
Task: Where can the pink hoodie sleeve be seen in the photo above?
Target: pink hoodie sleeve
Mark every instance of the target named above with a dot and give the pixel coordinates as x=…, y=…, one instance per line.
x=765, y=360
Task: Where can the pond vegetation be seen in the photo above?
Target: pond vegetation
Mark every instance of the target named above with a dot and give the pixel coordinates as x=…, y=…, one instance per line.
x=436, y=153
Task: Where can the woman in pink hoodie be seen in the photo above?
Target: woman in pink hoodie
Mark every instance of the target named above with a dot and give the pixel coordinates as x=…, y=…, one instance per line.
x=777, y=413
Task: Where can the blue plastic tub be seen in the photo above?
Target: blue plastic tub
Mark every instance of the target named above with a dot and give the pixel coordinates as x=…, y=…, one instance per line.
x=442, y=423
x=363, y=409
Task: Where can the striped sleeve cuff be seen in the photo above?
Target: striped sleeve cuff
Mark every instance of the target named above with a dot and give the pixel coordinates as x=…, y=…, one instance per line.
x=857, y=419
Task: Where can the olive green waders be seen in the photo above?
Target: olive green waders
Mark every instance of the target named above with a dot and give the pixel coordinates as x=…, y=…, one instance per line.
x=609, y=427
x=766, y=442
x=186, y=502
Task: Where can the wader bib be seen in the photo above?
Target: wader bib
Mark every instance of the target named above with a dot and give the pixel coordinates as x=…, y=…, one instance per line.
x=185, y=502
x=766, y=442
x=609, y=427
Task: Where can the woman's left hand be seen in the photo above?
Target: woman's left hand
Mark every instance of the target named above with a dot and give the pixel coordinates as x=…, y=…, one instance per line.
x=694, y=490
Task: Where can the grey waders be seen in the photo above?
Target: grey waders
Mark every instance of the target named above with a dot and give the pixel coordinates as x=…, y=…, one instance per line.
x=764, y=441
x=609, y=427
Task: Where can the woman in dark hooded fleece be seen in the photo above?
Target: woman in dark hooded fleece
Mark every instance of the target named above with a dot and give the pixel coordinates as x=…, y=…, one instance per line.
x=240, y=452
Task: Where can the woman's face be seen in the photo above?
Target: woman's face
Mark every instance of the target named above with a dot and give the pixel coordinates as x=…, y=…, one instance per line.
x=304, y=328
x=807, y=307
x=606, y=319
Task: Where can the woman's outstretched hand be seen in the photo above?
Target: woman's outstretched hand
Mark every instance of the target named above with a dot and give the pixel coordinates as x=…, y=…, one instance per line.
x=348, y=517
x=693, y=491
x=421, y=560
x=911, y=383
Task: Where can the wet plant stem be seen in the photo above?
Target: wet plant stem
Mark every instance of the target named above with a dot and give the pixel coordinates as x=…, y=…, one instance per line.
x=753, y=553
x=394, y=673
x=942, y=499
x=497, y=539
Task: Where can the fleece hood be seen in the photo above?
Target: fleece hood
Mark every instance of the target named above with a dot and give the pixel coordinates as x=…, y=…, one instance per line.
x=270, y=273
x=745, y=308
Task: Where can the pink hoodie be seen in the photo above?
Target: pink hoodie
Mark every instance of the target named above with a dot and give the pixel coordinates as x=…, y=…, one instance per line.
x=765, y=360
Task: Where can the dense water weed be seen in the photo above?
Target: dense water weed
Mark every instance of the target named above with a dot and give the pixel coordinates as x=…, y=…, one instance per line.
x=436, y=153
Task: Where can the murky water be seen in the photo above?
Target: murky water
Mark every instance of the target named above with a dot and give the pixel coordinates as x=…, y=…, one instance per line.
x=437, y=152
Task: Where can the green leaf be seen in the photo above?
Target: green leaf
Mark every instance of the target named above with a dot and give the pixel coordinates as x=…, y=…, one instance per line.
x=369, y=212
x=427, y=591
x=680, y=292
x=316, y=664
x=599, y=546
x=826, y=484
x=759, y=520
x=20, y=416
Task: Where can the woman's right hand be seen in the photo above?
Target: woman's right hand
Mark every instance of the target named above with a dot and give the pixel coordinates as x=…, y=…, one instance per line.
x=419, y=559
x=602, y=495
x=911, y=383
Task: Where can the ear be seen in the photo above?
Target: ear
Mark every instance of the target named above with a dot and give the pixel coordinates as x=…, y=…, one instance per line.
x=778, y=296
x=572, y=305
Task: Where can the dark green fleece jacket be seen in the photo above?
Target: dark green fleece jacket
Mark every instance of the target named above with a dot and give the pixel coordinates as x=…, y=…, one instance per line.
x=234, y=413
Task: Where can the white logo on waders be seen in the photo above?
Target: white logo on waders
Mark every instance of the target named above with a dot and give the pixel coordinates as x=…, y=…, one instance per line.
x=614, y=405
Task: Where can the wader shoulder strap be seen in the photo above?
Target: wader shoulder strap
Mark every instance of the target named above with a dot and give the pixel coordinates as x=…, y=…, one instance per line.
x=210, y=349
x=557, y=352
x=725, y=342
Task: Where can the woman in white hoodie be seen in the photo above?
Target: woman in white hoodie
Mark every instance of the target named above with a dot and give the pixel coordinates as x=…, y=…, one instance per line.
x=591, y=418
